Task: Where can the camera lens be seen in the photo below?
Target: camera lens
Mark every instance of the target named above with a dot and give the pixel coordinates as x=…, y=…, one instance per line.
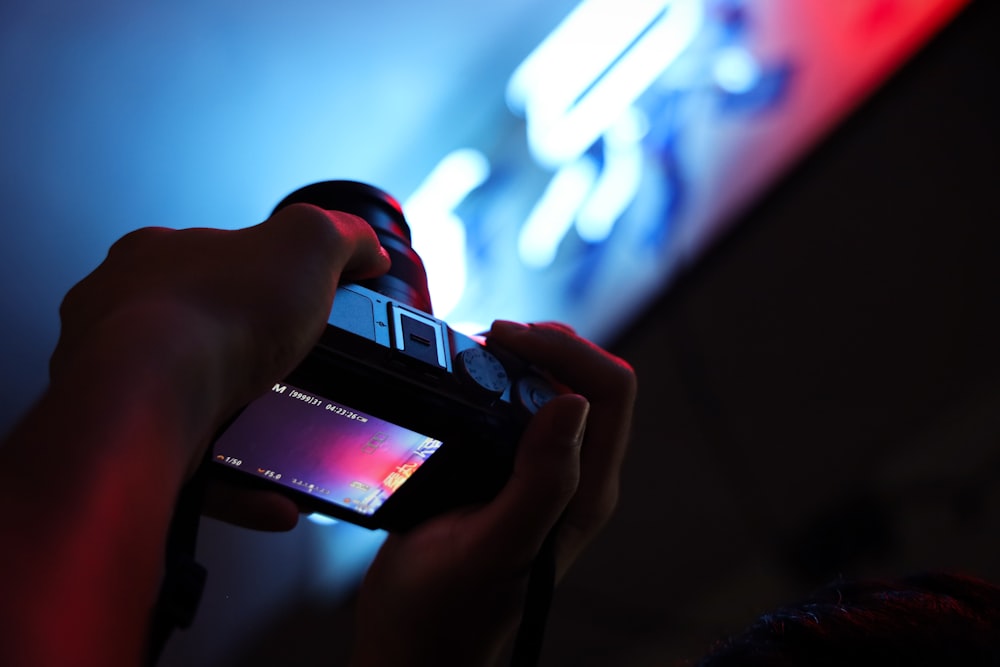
x=406, y=281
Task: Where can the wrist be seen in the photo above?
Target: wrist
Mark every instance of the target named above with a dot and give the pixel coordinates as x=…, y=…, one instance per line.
x=161, y=358
x=89, y=479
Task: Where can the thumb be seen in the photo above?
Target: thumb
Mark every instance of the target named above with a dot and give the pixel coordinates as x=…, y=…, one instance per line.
x=545, y=478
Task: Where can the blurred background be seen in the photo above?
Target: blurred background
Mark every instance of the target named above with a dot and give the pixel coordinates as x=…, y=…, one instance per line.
x=782, y=213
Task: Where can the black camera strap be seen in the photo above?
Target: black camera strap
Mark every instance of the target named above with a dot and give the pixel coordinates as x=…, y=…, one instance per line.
x=184, y=581
x=183, y=578
x=527, y=648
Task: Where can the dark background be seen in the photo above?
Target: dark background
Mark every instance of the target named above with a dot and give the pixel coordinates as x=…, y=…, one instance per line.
x=822, y=395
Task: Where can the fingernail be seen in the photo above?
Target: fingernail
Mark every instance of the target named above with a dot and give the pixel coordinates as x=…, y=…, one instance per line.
x=384, y=254
x=574, y=418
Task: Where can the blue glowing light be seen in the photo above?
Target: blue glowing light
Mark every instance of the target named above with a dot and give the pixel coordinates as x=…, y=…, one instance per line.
x=322, y=519
x=554, y=213
x=438, y=233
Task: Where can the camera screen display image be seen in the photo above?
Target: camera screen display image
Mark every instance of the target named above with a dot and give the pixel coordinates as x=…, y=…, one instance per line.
x=337, y=455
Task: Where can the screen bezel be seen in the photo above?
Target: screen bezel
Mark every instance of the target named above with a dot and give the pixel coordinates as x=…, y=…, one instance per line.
x=472, y=439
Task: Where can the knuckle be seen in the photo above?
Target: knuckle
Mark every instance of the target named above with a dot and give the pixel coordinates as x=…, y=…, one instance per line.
x=318, y=228
x=78, y=302
x=304, y=222
x=602, y=507
x=557, y=328
x=300, y=211
x=624, y=377
x=564, y=485
x=68, y=303
x=135, y=239
x=589, y=517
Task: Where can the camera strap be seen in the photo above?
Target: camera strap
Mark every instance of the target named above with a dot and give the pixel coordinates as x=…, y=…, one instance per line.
x=183, y=578
x=527, y=648
x=184, y=581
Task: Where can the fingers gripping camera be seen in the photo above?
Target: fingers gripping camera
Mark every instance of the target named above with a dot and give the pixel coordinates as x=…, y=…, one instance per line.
x=394, y=417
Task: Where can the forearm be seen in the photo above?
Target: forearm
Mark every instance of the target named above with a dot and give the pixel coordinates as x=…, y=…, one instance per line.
x=88, y=482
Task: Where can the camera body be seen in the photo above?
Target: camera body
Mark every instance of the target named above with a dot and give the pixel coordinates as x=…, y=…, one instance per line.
x=394, y=417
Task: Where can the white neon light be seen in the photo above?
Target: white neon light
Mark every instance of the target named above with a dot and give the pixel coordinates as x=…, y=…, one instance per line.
x=554, y=213
x=577, y=87
x=580, y=48
x=471, y=328
x=439, y=234
x=736, y=70
x=593, y=67
x=455, y=176
x=618, y=183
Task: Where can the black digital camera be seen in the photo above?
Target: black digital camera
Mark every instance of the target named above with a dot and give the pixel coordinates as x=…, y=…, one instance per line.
x=394, y=417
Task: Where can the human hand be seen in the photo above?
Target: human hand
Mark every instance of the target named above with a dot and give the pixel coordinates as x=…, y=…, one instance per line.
x=159, y=345
x=220, y=315
x=450, y=590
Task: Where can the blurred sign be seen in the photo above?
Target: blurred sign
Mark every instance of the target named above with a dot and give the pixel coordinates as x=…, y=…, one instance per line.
x=635, y=133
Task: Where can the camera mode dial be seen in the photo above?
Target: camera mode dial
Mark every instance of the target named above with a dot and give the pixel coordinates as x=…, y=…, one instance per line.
x=482, y=372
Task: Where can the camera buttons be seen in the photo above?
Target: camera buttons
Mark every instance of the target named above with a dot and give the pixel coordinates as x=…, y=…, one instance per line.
x=481, y=371
x=532, y=392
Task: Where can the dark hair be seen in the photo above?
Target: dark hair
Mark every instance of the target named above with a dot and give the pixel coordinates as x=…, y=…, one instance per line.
x=928, y=619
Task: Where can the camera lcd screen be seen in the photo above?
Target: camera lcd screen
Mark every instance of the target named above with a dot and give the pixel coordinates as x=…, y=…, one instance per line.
x=322, y=448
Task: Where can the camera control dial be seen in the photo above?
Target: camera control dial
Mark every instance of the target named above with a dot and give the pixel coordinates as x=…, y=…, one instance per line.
x=482, y=372
x=532, y=392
